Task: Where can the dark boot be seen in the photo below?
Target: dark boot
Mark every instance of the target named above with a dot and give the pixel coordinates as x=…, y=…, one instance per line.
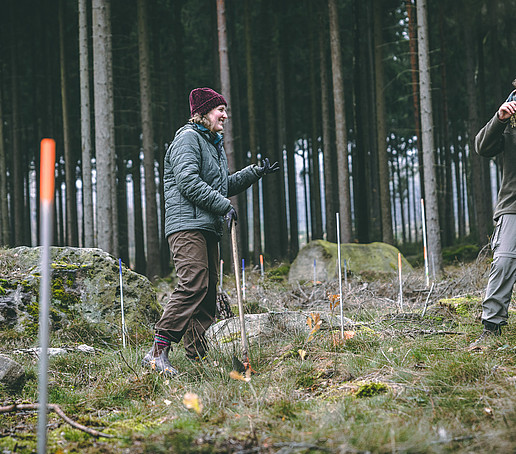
x=490, y=330
x=158, y=360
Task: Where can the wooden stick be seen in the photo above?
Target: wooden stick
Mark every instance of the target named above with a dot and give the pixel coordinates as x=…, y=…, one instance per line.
x=339, y=269
x=236, y=264
x=56, y=409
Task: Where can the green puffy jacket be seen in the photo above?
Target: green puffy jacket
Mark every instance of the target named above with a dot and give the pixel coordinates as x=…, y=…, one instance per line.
x=197, y=183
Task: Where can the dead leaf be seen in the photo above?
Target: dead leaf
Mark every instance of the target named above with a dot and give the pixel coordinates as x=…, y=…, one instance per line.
x=238, y=376
x=334, y=301
x=488, y=411
x=349, y=334
x=313, y=321
x=192, y=402
x=337, y=340
x=167, y=402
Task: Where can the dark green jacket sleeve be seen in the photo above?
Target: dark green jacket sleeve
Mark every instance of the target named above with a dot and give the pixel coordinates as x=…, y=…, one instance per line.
x=489, y=140
x=241, y=180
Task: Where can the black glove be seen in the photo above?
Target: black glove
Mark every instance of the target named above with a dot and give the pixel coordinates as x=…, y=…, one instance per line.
x=267, y=168
x=231, y=215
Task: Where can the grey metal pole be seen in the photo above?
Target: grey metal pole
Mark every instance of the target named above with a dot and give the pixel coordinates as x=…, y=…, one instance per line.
x=122, y=303
x=47, y=175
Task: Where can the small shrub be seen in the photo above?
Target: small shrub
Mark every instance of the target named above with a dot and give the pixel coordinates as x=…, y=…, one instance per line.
x=279, y=272
x=461, y=253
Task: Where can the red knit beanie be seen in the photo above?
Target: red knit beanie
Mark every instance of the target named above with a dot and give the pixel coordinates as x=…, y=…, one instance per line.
x=202, y=100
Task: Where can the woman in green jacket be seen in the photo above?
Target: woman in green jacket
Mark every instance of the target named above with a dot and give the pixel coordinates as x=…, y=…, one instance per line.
x=197, y=185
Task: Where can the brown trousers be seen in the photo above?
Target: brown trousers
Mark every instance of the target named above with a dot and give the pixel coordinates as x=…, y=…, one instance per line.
x=191, y=309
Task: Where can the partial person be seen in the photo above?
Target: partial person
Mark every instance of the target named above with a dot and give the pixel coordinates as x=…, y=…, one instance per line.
x=498, y=137
x=197, y=187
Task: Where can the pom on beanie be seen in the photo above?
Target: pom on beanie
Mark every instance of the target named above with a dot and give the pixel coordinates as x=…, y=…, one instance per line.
x=202, y=100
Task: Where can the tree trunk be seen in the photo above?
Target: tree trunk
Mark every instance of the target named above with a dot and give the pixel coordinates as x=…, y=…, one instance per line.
x=86, y=146
x=365, y=186
x=286, y=248
x=381, y=129
x=272, y=206
x=448, y=211
x=415, y=88
x=340, y=125
x=17, y=163
x=4, y=209
x=225, y=81
x=315, y=181
x=123, y=230
x=225, y=86
x=328, y=155
x=459, y=181
x=72, y=236
x=151, y=210
x=253, y=138
x=140, y=263
x=104, y=127
x=399, y=178
x=431, y=205
x=480, y=182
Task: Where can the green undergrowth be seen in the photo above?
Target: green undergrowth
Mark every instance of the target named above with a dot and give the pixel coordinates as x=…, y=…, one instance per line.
x=396, y=383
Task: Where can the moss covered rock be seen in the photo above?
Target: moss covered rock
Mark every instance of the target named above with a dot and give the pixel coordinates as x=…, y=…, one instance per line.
x=85, y=285
x=364, y=259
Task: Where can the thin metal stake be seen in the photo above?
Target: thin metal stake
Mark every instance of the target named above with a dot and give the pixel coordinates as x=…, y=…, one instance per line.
x=47, y=182
x=243, y=279
x=346, y=274
x=340, y=279
x=221, y=275
x=122, y=303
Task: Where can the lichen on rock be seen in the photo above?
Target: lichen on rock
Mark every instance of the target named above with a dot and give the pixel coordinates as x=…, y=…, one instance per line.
x=85, y=285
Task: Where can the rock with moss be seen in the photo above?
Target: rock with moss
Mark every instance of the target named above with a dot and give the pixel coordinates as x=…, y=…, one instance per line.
x=363, y=259
x=266, y=327
x=12, y=374
x=85, y=287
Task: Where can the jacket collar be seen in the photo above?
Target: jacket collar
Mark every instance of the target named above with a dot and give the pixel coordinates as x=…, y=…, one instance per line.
x=214, y=137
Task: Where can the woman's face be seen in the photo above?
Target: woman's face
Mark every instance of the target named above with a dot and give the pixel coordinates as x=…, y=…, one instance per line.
x=216, y=117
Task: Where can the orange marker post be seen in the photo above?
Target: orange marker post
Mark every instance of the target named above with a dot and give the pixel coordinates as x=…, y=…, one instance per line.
x=425, y=250
x=47, y=186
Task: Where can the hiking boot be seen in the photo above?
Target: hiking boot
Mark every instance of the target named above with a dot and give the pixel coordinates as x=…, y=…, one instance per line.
x=490, y=330
x=160, y=363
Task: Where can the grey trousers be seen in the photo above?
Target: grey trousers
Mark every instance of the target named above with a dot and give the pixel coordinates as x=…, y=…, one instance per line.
x=502, y=275
x=191, y=309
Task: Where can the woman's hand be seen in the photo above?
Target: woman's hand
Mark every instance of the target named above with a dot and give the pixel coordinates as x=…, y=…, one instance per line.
x=506, y=110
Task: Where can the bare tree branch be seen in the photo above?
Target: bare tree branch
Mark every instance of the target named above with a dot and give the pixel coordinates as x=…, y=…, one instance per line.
x=56, y=409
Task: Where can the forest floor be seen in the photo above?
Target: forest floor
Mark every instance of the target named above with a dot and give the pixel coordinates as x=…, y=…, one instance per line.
x=402, y=380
